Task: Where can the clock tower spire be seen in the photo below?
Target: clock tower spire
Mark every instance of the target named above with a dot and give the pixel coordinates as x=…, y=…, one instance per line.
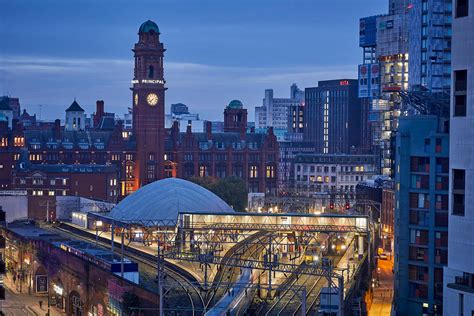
x=148, y=104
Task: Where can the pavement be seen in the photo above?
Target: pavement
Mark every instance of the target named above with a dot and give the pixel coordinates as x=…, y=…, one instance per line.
x=17, y=303
x=383, y=294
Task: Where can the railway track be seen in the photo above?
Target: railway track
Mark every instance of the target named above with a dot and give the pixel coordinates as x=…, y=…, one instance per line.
x=175, y=278
x=228, y=274
x=288, y=302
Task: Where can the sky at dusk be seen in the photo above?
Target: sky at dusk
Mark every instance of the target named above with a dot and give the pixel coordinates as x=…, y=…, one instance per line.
x=217, y=50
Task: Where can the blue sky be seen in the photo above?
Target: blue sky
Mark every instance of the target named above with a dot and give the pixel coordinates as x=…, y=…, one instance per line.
x=52, y=51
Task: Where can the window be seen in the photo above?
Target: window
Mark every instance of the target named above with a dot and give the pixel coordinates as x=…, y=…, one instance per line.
x=462, y=8
x=459, y=183
x=150, y=170
x=439, y=147
x=203, y=171
x=237, y=171
x=419, y=182
x=419, y=237
x=420, y=164
x=253, y=172
x=419, y=200
x=18, y=141
x=51, y=193
x=419, y=218
x=37, y=181
x=150, y=72
x=460, y=92
x=442, y=182
x=4, y=142
x=221, y=170
x=188, y=170
x=270, y=172
x=441, y=201
x=442, y=165
x=129, y=171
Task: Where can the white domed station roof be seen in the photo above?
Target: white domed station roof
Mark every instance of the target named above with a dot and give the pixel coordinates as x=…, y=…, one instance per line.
x=164, y=199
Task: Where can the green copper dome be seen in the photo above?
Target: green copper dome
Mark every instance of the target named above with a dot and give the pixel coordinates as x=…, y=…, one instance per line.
x=235, y=104
x=149, y=26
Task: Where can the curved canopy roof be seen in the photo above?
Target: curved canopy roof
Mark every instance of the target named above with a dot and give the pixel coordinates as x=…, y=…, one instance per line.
x=164, y=199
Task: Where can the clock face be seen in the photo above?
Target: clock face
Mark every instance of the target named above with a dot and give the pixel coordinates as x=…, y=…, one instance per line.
x=136, y=99
x=152, y=99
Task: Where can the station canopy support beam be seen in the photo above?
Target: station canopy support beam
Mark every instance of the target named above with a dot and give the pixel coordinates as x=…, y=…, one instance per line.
x=286, y=227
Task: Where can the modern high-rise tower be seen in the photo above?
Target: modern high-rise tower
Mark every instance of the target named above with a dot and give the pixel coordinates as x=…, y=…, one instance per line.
x=148, y=104
x=459, y=274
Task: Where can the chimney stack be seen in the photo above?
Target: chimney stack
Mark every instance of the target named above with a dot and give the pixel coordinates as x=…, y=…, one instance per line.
x=99, y=112
x=188, y=128
x=209, y=130
x=57, y=129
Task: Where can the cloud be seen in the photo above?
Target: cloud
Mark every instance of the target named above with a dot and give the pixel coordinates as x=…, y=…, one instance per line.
x=44, y=65
x=205, y=88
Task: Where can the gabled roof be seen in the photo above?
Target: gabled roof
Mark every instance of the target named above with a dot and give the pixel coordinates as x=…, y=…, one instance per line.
x=74, y=107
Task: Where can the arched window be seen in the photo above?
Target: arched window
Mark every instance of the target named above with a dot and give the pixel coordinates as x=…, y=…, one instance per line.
x=150, y=72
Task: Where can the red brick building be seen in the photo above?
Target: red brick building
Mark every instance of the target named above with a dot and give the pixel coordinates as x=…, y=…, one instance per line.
x=105, y=162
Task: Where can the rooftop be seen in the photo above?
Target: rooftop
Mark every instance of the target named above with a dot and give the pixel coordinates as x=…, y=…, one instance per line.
x=74, y=107
x=149, y=26
x=165, y=199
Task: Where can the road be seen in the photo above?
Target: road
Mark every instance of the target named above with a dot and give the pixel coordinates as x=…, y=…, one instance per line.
x=382, y=300
x=23, y=304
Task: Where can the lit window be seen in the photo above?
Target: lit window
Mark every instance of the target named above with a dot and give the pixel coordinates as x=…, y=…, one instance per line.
x=270, y=172
x=203, y=172
x=51, y=193
x=253, y=172
x=18, y=141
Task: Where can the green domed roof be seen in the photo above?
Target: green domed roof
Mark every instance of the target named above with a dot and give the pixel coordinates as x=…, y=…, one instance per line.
x=149, y=26
x=235, y=104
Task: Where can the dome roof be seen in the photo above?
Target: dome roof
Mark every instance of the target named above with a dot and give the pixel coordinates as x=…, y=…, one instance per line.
x=164, y=199
x=235, y=104
x=149, y=26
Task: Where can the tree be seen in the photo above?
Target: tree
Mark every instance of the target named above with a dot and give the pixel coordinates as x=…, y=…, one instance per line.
x=232, y=190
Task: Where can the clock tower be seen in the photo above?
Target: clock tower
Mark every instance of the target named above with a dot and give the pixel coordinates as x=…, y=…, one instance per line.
x=148, y=104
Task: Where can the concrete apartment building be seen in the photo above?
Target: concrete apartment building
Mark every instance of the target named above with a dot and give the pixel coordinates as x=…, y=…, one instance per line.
x=421, y=214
